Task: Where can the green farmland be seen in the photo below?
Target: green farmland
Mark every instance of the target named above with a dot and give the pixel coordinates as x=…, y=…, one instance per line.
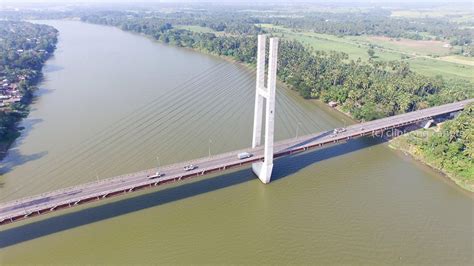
x=419, y=58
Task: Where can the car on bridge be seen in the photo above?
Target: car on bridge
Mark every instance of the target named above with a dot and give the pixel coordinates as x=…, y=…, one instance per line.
x=155, y=175
x=190, y=167
x=339, y=130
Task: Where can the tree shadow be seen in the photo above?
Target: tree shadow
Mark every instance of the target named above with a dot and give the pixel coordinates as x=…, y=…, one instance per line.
x=15, y=158
x=41, y=91
x=283, y=168
x=18, y=159
x=50, y=68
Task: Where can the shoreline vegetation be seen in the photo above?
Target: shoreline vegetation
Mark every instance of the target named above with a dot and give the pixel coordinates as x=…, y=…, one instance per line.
x=367, y=90
x=24, y=48
x=378, y=89
x=448, y=148
x=369, y=86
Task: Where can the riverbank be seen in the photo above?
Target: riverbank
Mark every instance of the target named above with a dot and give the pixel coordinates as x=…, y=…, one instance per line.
x=366, y=113
x=246, y=63
x=407, y=144
x=4, y=147
x=400, y=143
x=350, y=182
x=25, y=49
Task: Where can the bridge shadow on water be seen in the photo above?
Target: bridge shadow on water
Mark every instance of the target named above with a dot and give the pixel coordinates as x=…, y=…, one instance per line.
x=289, y=165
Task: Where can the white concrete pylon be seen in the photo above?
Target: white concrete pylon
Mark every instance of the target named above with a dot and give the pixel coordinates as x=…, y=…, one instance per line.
x=264, y=169
x=260, y=87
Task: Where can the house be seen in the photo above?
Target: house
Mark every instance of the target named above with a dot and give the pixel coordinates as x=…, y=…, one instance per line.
x=13, y=100
x=332, y=104
x=15, y=93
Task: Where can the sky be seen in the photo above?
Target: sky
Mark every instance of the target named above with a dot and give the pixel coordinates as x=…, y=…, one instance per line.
x=236, y=1
x=143, y=3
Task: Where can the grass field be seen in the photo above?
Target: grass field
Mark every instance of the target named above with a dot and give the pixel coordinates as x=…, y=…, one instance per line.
x=328, y=42
x=417, y=52
x=459, y=59
x=454, y=12
x=418, y=47
x=459, y=13
x=449, y=70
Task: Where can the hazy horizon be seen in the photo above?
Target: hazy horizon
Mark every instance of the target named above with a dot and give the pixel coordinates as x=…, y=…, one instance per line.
x=238, y=1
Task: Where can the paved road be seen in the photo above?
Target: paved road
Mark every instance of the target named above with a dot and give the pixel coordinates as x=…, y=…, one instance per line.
x=68, y=197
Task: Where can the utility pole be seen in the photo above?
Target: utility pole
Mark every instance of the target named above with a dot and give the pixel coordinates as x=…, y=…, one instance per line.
x=297, y=127
x=210, y=141
x=158, y=165
x=96, y=173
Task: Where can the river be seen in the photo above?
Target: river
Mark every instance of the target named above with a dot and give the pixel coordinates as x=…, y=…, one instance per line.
x=113, y=102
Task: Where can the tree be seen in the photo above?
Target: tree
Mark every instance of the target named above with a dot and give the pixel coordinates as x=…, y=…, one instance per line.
x=371, y=52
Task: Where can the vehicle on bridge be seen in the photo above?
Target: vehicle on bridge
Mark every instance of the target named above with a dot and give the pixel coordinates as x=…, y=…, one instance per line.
x=28, y=207
x=244, y=155
x=190, y=167
x=339, y=130
x=155, y=175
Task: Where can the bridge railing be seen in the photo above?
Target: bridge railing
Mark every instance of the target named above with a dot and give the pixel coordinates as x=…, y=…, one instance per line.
x=368, y=127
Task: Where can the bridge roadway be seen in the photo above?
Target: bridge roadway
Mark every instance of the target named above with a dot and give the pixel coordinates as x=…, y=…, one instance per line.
x=69, y=197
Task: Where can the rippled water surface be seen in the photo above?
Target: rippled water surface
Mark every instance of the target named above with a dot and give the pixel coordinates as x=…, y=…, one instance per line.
x=112, y=102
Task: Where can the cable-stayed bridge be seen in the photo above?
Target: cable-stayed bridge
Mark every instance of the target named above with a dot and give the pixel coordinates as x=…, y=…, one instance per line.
x=106, y=188
x=261, y=159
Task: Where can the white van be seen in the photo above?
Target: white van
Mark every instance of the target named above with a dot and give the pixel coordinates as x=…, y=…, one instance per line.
x=244, y=155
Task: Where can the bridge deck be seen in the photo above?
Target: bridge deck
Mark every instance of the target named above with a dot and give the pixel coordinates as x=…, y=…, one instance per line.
x=68, y=197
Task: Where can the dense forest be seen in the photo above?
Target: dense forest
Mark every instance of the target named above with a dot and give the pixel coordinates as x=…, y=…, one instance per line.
x=24, y=47
x=368, y=90
x=377, y=22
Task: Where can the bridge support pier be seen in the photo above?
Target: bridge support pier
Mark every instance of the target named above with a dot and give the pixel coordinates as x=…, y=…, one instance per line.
x=264, y=169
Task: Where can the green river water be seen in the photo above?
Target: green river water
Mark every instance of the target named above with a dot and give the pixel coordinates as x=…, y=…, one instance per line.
x=112, y=101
